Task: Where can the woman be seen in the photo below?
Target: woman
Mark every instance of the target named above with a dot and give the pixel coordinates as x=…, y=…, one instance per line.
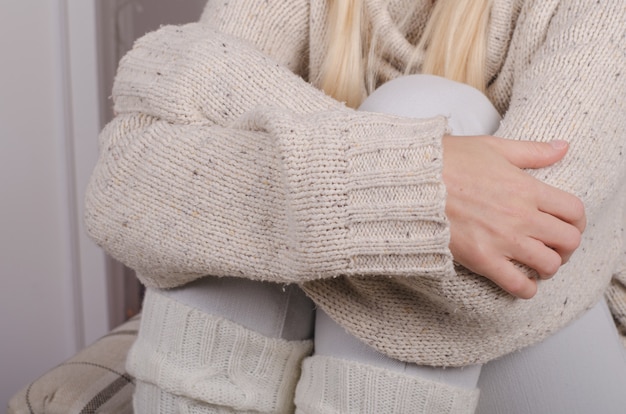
x=224, y=160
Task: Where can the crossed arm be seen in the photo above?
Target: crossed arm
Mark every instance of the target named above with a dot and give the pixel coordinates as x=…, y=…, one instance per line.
x=222, y=161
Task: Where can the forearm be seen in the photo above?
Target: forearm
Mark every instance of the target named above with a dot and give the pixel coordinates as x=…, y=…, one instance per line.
x=278, y=197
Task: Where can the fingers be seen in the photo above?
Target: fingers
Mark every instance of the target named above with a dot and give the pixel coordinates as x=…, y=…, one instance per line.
x=500, y=215
x=531, y=154
x=504, y=273
x=554, y=202
x=536, y=255
x=562, y=205
x=533, y=254
x=512, y=280
x=560, y=236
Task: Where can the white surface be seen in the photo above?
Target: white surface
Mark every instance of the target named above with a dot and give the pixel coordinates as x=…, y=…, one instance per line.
x=81, y=140
x=53, y=299
x=468, y=111
x=42, y=111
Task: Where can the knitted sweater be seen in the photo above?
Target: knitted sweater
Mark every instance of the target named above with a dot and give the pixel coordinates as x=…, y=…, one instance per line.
x=224, y=160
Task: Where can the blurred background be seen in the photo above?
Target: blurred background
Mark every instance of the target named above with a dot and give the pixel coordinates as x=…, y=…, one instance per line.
x=58, y=291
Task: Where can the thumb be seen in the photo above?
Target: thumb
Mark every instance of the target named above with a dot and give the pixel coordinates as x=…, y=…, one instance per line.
x=531, y=154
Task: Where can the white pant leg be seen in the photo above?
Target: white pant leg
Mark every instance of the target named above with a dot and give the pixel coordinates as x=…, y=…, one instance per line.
x=273, y=310
x=579, y=370
x=469, y=112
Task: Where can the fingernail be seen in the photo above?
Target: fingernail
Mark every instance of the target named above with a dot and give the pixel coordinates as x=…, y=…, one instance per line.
x=558, y=144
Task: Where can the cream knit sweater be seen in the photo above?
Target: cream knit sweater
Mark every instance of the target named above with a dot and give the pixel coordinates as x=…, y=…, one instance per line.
x=224, y=160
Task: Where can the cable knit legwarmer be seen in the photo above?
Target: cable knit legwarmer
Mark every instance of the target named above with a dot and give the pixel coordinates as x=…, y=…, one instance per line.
x=199, y=360
x=149, y=398
x=336, y=386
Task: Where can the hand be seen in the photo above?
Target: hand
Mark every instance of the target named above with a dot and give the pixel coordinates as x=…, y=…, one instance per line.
x=499, y=213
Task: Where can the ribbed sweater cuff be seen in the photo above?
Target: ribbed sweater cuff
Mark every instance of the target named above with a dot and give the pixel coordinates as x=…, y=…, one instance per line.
x=333, y=386
x=206, y=358
x=396, y=197
x=364, y=192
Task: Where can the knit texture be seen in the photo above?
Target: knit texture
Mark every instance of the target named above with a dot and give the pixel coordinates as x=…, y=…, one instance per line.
x=151, y=399
x=207, y=360
x=335, y=386
x=224, y=160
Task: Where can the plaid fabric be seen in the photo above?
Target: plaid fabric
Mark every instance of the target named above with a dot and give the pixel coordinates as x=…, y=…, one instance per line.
x=93, y=381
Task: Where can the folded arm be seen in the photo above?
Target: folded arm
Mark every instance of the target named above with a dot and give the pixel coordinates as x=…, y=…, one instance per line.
x=221, y=161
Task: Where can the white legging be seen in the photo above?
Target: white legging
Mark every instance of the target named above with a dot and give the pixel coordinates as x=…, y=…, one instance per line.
x=581, y=369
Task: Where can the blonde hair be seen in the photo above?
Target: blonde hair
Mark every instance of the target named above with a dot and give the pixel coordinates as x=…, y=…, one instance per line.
x=343, y=70
x=454, y=40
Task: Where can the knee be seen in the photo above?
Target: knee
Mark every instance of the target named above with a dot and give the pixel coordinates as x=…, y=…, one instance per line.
x=468, y=110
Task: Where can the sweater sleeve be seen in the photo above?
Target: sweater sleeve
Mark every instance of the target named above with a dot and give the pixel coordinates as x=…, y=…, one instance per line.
x=572, y=88
x=221, y=161
x=277, y=28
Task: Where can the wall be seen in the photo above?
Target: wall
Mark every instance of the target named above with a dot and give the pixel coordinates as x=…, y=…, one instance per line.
x=53, y=298
x=123, y=21
x=120, y=23
x=56, y=284
x=150, y=14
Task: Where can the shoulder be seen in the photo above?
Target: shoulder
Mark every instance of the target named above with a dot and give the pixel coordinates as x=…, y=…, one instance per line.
x=279, y=28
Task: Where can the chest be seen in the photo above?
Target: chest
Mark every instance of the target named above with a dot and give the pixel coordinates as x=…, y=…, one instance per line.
x=516, y=29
